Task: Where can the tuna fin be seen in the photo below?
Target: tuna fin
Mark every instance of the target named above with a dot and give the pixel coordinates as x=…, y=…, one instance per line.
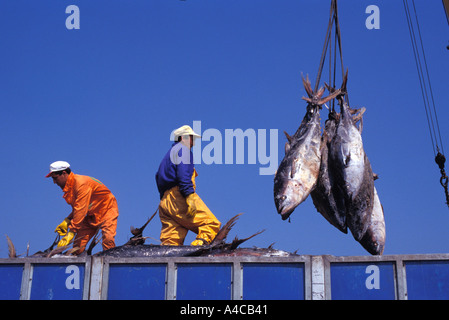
x=307, y=86
x=288, y=144
x=329, y=97
x=289, y=137
x=358, y=116
x=309, y=100
x=287, y=147
x=317, y=100
x=223, y=233
x=361, y=126
x=138, y=231
x=329, y=88
x=238, y=242
x=293, y=169
x=11, y=249
x=57, y=250
x=69, y=252
x=319, y=94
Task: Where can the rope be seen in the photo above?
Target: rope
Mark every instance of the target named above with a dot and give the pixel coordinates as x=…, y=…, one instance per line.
x=326, y=45
x=426, y=91
x=333, y=21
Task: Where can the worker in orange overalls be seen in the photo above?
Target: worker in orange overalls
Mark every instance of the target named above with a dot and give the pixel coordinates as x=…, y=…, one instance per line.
x=181, y=209
x=93, y=207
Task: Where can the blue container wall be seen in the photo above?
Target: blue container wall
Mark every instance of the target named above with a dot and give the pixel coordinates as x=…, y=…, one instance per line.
x=279, y=281
x=363, y=281
x=427, y=280
x=391, y=277
x=57, y=282
x=136, y=281
x=10, y=281
x=204, y=281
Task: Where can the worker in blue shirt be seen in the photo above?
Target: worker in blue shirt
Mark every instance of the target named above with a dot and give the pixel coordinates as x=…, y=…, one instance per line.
x=181, y=209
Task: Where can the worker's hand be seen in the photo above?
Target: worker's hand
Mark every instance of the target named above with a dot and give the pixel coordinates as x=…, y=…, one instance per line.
x=66, y=240
x=62, y=227
x=191, y=207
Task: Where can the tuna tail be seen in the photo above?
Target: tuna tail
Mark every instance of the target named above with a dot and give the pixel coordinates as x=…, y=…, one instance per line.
x=315, y=98
x=223, y=233
x=11, y=249
x=236, y=242
x=307, y=86
x=137, y=237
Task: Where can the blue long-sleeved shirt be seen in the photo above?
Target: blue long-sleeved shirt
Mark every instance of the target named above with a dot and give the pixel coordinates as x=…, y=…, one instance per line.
x=176, y=169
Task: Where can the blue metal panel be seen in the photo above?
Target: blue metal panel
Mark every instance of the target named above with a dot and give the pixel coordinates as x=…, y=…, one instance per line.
x=57, y=282
x=204, y=281
x=136, y=281
x=363, y=281
x=10, y=281
x=427, y=279
x=269, y=281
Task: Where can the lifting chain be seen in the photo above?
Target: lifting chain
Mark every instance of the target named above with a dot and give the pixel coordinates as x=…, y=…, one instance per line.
x=440, y=159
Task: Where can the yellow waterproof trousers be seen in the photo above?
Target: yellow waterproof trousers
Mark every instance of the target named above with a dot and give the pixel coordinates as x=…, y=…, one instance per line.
x=175, y=223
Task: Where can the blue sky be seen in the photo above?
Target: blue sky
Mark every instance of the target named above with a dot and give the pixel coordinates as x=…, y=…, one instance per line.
x=106, y=97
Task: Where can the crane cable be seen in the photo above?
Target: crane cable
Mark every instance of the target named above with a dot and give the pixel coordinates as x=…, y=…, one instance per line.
x=333, y=20
x=426, y=90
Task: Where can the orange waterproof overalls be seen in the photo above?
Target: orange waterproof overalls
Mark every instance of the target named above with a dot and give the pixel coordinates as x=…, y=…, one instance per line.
x=175, y=223
x=93, y=207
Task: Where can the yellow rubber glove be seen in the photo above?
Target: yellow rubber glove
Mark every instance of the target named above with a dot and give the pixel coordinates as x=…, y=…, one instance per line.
x=62, y=227
x=191, y=207
x=66, y=240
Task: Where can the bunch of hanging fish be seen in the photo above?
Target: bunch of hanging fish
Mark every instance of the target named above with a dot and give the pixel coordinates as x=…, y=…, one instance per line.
x=334, y=169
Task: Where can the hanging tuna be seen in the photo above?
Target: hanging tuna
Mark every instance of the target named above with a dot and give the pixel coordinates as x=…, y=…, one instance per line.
x=298, y=171
x=342, y=189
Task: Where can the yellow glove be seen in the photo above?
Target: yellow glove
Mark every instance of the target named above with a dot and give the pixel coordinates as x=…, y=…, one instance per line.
x=62, y=227
x=66, y=240
x=191, y=207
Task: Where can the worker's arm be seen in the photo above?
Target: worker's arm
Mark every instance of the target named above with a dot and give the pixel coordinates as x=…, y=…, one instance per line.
x=184, y=174
x=80, y=207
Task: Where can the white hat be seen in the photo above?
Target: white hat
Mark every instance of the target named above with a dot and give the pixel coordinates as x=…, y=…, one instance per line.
x=58, y=166
x=185, y=131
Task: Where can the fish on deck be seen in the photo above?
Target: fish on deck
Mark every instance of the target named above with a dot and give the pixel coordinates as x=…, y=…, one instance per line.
x=217, y=247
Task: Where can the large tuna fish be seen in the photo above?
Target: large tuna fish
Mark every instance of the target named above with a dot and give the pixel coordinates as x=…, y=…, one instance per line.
x=374, y=239
x=352, y=172
x=328, y=200
x=298, y=171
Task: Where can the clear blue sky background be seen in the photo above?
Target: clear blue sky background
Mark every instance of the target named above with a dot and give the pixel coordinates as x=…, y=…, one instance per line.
x=106, y=97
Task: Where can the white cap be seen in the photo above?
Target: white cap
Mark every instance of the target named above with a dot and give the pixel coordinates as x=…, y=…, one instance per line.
x=58, y=166
x=185, y=131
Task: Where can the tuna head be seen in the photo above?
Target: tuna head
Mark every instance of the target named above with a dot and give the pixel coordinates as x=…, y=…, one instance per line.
x=288, y=197
x=288, y=192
